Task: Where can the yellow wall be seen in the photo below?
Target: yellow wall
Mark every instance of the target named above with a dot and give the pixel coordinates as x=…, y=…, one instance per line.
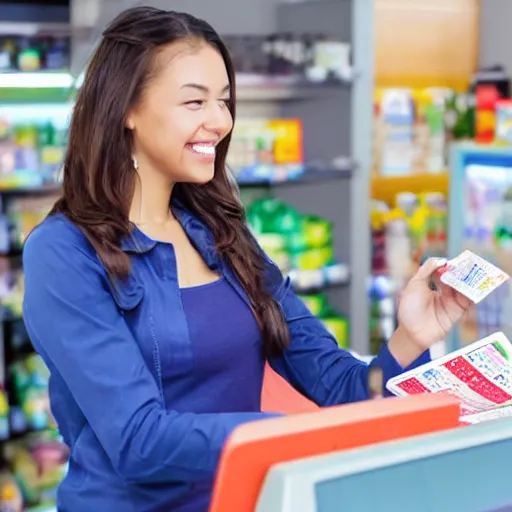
x=421, y=43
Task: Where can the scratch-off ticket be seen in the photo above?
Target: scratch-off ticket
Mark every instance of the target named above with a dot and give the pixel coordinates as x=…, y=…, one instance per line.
x=472, y=276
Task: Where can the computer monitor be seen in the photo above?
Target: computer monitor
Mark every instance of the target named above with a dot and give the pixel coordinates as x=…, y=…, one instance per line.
x=462, y=470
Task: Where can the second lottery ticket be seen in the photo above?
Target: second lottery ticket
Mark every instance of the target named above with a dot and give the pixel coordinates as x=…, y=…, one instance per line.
x=472, y=276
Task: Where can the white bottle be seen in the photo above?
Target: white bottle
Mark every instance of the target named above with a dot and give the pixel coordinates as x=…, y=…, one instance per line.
x=398, y=250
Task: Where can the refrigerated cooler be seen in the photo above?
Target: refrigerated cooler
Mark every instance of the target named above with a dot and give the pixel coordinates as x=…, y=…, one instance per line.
x=480, y=219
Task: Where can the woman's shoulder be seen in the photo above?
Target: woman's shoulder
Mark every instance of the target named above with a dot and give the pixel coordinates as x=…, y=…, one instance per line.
x=56, y=237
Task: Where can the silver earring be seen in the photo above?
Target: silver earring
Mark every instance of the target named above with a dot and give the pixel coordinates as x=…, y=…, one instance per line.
x=135, y=163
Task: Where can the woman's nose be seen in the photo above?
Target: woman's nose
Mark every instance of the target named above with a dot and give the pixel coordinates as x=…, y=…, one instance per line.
x=218, y=118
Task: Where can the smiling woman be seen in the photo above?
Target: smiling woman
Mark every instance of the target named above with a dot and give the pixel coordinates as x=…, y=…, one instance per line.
x=147, y=202
x=146, y=294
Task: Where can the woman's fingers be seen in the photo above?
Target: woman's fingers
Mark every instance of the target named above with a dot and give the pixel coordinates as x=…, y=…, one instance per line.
x=425, y=272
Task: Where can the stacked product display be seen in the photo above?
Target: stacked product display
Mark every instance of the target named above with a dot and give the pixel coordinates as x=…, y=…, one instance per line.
x=32, y=144
x=33, y=135
x=271, y=150
x=413, y=133
x=403, y=236
x=409, y=131
x=473, y=128
x=302, y=247
x=413, y=128
x=33, y=461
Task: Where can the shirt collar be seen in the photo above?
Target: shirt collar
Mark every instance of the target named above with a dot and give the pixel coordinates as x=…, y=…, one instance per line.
x=139, y=243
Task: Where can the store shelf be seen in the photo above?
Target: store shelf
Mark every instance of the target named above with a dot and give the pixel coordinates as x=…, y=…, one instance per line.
x=309, y=282
x=282, y=93
x=296, y=3
x=459, y=84
x=35, y=96
x=254, y=88
x=311, y=290
x=385, y=188
x=308, y=177
x=52, y=188
x=35, y=80
x=13, y=252
x=37, y=87
x=8, y=316
x=31, y=28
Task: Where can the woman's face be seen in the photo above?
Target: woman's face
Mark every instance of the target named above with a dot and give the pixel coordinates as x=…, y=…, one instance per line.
x=183, y=113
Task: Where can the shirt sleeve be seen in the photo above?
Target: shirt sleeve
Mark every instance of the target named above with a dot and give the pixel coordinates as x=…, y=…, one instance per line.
x=74, y=323
x=314, y=363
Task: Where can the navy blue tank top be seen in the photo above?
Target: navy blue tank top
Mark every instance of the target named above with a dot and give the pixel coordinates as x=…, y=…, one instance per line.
x=228, y=371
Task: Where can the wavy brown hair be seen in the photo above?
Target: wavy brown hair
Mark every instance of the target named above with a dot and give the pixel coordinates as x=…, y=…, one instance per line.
x=99, y=178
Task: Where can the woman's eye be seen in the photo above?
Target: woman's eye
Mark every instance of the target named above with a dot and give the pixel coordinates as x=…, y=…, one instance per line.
x=195, y=103
x=198, y=104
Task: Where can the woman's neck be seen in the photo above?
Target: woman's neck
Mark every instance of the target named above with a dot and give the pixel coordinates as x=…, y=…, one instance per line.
x=151, y=198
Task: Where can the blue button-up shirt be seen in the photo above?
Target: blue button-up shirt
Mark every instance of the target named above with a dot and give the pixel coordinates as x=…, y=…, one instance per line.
x=110, y=347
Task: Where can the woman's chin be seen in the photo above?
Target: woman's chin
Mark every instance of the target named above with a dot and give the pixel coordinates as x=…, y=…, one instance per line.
x=200, y=176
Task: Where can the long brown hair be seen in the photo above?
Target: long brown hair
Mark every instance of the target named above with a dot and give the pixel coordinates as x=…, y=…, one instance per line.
x=99, y=177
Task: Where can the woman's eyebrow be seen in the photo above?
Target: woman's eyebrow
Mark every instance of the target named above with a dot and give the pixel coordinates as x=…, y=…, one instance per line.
x=203, y=88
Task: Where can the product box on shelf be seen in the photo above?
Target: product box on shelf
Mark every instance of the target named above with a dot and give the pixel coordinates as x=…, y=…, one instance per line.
x=266, y=148
x=32, y=144
x=410, y=131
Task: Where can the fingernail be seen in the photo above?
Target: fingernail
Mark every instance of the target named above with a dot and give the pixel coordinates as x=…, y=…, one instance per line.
x=441, y=262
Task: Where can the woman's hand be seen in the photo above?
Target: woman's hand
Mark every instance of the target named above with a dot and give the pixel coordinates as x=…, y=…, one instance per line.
x=425, y=316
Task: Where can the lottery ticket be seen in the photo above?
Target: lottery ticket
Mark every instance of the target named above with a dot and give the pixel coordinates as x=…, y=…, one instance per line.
x=472, y=276
x=480, y=375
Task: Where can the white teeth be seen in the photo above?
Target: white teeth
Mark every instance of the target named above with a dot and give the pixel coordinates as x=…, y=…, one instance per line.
x=204, y=149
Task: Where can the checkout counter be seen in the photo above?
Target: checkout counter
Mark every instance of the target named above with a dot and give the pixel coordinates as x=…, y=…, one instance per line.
x=393, y=455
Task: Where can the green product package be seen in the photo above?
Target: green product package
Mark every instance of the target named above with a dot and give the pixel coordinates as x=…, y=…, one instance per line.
x=317, y=303
x=317, y=232
x=313, y=259
x=272, y=242
x=338, y=326
x=260, y=214
x=296, y=242
x=286, y=220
